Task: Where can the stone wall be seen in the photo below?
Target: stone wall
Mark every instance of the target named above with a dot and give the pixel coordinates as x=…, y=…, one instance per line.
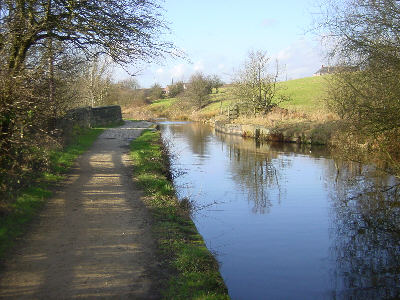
x=81, y=117
x=105, y=115
x=313, y=134
x=86, y=117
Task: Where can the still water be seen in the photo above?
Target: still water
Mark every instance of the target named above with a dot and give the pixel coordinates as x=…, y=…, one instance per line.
x=288, y=221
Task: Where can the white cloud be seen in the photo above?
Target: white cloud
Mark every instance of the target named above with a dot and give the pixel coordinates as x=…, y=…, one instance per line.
x=285, y=54
x=198, y=66
x=178, y=71
x=301, y=59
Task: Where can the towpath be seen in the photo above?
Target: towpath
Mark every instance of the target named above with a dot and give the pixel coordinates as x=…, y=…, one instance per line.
x=93, y=239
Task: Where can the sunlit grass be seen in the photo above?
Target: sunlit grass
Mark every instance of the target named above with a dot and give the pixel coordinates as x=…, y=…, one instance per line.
x=162, y=103
x=307, y=94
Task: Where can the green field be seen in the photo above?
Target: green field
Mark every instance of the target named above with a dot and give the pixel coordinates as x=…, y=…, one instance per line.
x=306, y=95
x=162, y=103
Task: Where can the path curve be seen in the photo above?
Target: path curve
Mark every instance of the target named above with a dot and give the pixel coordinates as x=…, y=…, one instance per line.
x=93, y=239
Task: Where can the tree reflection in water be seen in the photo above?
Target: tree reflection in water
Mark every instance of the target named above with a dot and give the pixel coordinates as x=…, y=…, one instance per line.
x=365, y=208
x=366, y=234
x=363, y=204
x=256, y=169
x=197, y=136
x=255, y=174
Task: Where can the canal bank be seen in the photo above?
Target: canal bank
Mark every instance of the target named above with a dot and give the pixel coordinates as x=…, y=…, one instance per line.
x=195, y=271
x=301, y=133
x=279, y=125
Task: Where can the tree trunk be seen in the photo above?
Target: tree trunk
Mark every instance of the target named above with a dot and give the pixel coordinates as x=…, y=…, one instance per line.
x=52, y=100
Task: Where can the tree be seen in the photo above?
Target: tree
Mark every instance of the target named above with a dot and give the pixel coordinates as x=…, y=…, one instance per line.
x=124, y=30
x=216, y=83
x=176, y=89
x=98, y=81
x=155, y=92
x=198, y=90
x=256, y=86
x=127, y=93
x=130, y=83
x=366, y=34
x=357, y=31
x=42, y=46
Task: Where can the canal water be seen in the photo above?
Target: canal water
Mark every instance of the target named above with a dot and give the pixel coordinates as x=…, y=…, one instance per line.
x=287, y=221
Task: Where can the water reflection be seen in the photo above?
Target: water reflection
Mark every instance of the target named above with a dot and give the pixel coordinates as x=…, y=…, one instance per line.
x=366, y=237
x=291, y=222
x=256, y=172
x=257, y=167
x=197, y=135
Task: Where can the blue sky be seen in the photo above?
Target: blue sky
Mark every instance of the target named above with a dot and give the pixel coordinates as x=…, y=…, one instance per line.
x=217, y=36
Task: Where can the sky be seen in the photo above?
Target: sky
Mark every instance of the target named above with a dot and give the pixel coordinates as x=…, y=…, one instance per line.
x=217, y=35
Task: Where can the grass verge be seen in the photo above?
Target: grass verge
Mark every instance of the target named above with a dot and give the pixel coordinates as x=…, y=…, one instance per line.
x=30, y=200
x=194, y=268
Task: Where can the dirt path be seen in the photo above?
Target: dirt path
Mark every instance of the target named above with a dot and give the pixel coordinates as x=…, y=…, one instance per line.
x=93, y=238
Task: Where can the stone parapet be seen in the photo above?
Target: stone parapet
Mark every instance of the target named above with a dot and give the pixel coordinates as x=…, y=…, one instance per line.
x=85, y=117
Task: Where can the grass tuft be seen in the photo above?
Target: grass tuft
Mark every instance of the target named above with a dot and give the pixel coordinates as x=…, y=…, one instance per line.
x=196, y=274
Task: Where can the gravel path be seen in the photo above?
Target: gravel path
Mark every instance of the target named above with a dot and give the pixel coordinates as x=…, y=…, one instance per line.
x=93, y=239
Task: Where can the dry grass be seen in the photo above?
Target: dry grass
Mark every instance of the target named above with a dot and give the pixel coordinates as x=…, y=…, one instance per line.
x=280, y=117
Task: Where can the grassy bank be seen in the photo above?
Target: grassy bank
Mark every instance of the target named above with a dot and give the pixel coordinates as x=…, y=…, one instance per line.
x=307, y=102
x=195, y=270
x=31, y=199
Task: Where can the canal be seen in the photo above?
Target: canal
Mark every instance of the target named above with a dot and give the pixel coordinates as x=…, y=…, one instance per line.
x=287, y=221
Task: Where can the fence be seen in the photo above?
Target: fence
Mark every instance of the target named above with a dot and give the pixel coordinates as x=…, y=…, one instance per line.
x=232, y=112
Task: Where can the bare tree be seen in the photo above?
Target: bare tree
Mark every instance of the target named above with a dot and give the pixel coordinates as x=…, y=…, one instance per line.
x=176, y=89
x=198, y=90
x=130, y=83
x=366, y=34
x=98, y=81
x=216, y=83
x=123, y=29
x=42, y=45
x=155, y=92
x=256, y=86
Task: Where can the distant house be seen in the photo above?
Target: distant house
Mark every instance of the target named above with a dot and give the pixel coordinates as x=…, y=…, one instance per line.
x=325, y=70
x=167, y=89
x=331, y=70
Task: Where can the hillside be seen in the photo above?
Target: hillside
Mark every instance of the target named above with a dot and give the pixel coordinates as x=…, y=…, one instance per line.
x=306, y=94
